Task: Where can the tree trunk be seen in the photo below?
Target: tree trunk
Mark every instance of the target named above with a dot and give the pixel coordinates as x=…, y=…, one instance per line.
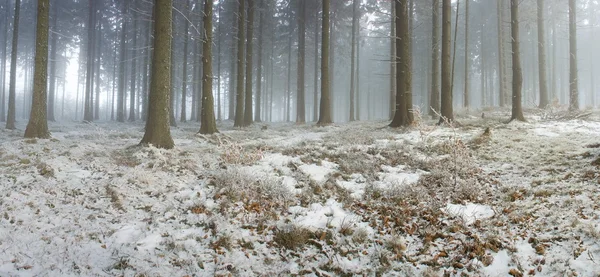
x=186, y=38
x=300, y=105
x=98, y=57
x=219, y=61
x=231, y=91
x=467, y=69
x=447, y=113
x=316, y=71
x=133, y=56
x=249, y=63
x=325, y=106
x=52, y=61
x=517, y=79
x=403, y=41
x=288, y=97
x=434, y=102
x=239, y=107
x=38, y=124
x=88, y=101
x=172, y=99
x=11, y=118
x=4, y=44
x=352, y=55
x=542, y=55
x=573, y=80
x=207, y=121
x=121, y=92
x=158, y=133
x=501, y=59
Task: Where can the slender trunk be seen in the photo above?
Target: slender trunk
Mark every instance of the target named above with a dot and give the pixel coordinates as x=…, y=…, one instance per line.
x=52, y=61
x=542, y=54
x=186, y=30
x=446, y=99
x=11, y=118
x=172, y=98
x=517, y=82
x=325, y=107
x=132, y=78
x=207, y=124
x=300, y=105
x=403, y=68
x=231, y=90
x=97, y=73
x=88, y=102
x=573, y=79
x=467, y=69
x=316, y=72
x=219, y=118
x=288, y=97
x=501, y=59
x=434, y=102
x=352, y=55
x=239, y=107
x=249, y=63
x=121, y=92
x=358, y=91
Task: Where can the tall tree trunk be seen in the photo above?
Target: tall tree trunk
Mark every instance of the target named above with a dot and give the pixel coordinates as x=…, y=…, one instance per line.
x=434, y=96
x=325, y=106
x=352, y=55
x=207, y=121
x=123, y=42
x=249, y=63
x=184, y=76
x=147, y=70
x=573, y=80
x=38, y=123
x=232, y=86
x=172, y=99
x=11, y=118
x=501, y=59
x=98, y=58
x=132, y=78
x=542, y=54
x=467, y=68
x=239, y=107
x=288, y=96
x=517, y=81
x=554, y=66
x=300, y=105
x=52, y=79
x=316, y=71
x=4, y=29
x=219, y=118
x=158, y=133
x=403, y=68
x=446, y=99
x=358, y=91
x=88, y=101
x=409, y=59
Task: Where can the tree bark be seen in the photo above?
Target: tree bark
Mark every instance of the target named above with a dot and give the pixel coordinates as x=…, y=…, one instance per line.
x=316, y=71
x=517, y=79
x=184, y=76
x=403, y=69
x=434, y=102
x=447, y=113
x=132, y=78
x=158, y=133
x=573, y=79
x=239, y=107
x=544, y=101
x=352, y=55
x=300, y=105
x=38, y=123
x=52, y=61
x=121, y=91
x=325, y=106
x=11, y=117
x=88, y=101
x=466, y=103
x=501, y=59
x=249, y=63
x=208, y=124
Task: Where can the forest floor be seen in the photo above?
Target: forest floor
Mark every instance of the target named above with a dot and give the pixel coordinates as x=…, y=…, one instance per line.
x=485, y=198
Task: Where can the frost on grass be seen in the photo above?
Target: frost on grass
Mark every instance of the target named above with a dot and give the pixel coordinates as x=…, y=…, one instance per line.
x=358, y=199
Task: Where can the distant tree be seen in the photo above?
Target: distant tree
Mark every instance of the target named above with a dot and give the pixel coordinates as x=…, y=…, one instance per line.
x=352, y=57
x=300, y=105
x=517, y=79
x=38, y=123
x=4, y=45
x=158, y=132
x=259, y=64
x=501, y=58
x=249, y=64
x=325, y=106
x=134, y=54
x=10, y=119
x=446, y=105
x=184, y=75
x=573, y=82
x=88, y=107
x=434, y=95
x=541, y=30
x=466, y=103
x=121, y=85
x=239, y=105
x=53, y=61
x=403, y=68
x=208, y=124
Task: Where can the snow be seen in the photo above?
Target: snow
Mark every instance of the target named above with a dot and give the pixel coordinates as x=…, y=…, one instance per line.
x=394, y=202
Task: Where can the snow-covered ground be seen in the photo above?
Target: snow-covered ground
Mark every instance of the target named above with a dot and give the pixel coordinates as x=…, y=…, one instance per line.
x=521, y=199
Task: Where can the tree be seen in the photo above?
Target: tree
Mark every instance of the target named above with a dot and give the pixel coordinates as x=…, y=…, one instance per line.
x=573, y=82
x=403, y=68
x=88, y=114
x=300, y=105
x=261, y=19
x=134, y=54
x=207, y=120
x=325, y=105
x=239, y=90
x=447, y=113
x=186, y=38
x=517, y=79
x=10, y=119
x=38, y=123
x=434, y=95
x=53, y=62
x=393, y=59
x=121, y=89
x=158, y=132
x=352, y=55
x=501, y=59
x=248, y=89
x=467, y=69
x=544, y=101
